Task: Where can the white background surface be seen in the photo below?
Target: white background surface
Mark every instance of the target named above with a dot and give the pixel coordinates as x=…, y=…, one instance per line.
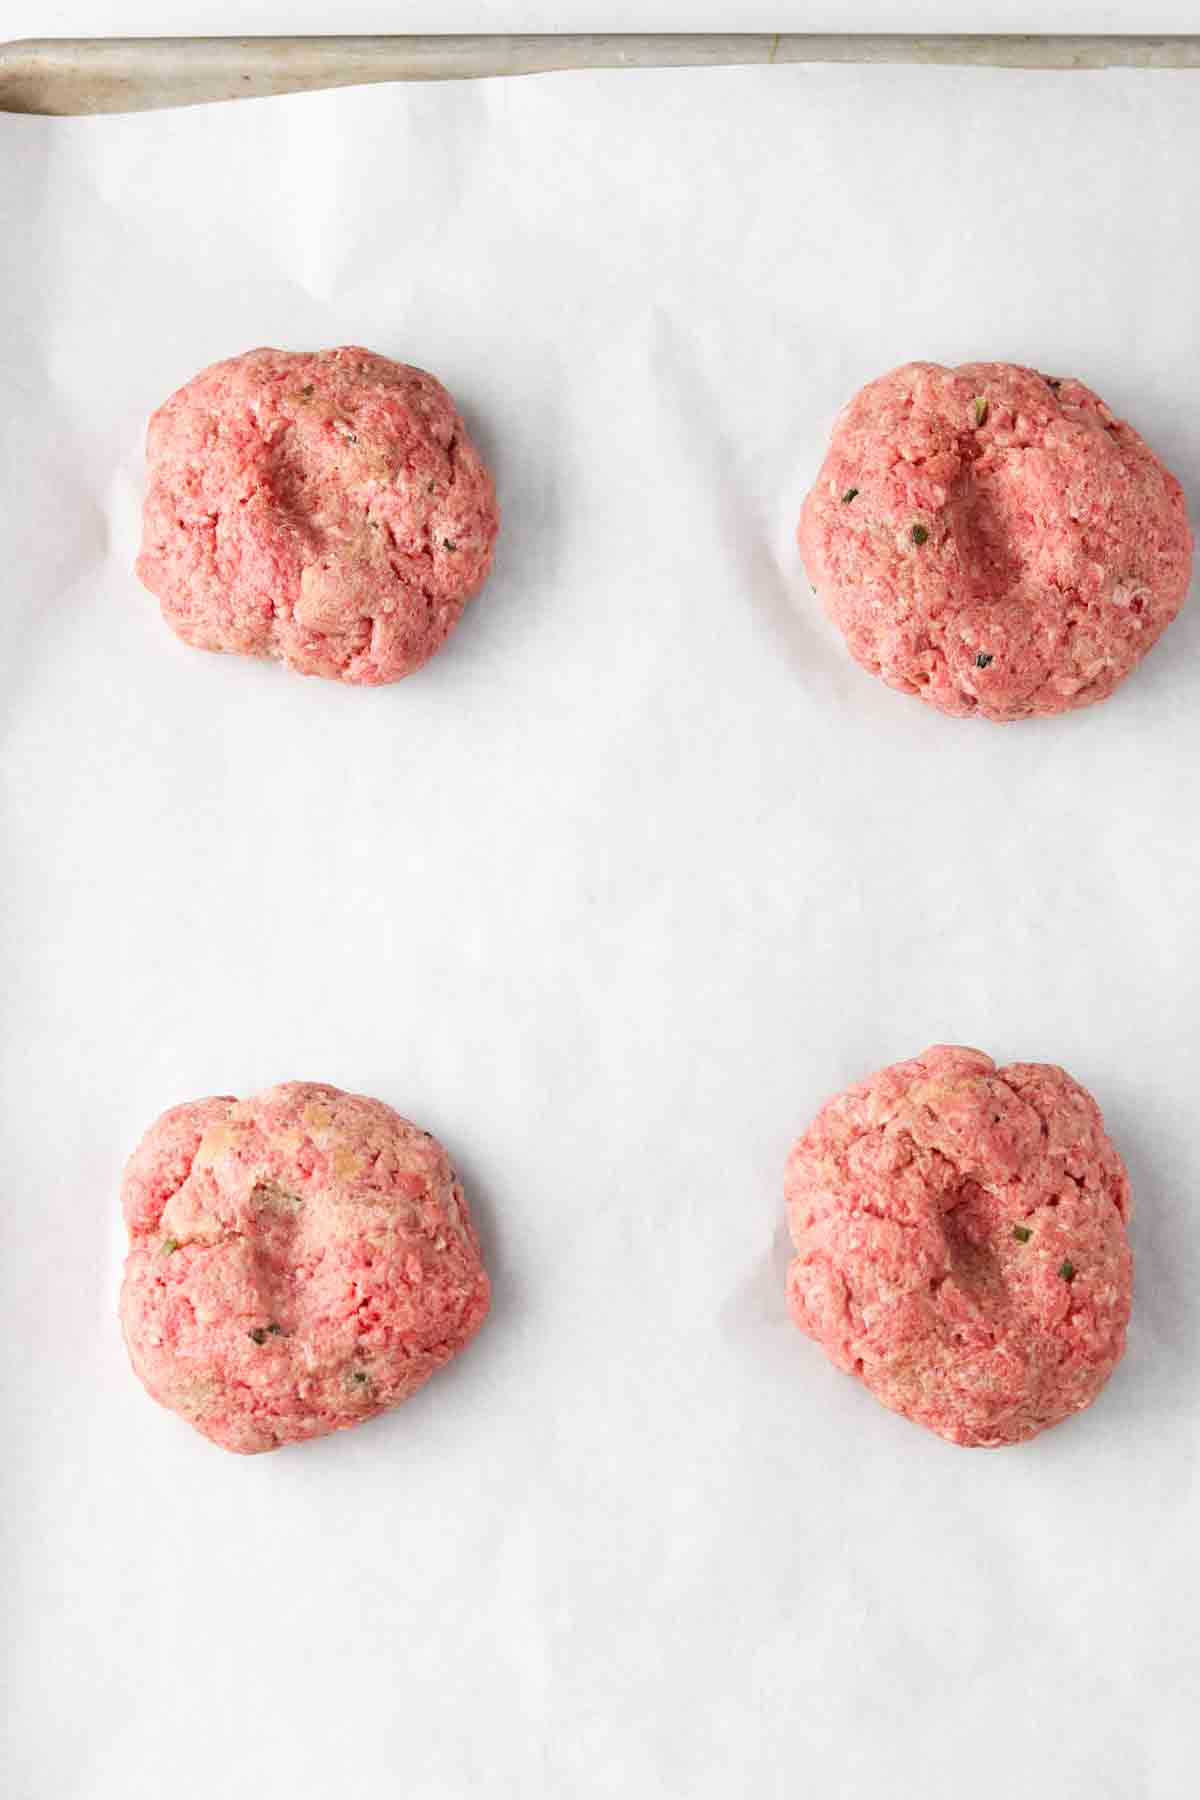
x=610, y=896
x=108, y=18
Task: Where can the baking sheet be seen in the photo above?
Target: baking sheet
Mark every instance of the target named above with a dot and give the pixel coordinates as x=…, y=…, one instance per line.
x=610, y=896
x=76, y=76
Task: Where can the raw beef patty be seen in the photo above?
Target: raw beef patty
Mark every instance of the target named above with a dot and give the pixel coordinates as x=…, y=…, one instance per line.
x=297, y=1263
x=994, y=540
x=960, y=1243
x=327, y=509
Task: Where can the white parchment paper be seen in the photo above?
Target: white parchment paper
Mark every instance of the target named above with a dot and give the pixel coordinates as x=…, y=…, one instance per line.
x=610, y=896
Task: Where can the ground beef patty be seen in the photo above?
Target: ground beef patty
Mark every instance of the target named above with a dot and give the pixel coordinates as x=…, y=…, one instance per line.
x=994, y=540
x=960, y=1243
x=297, y=1263
x=327, y=509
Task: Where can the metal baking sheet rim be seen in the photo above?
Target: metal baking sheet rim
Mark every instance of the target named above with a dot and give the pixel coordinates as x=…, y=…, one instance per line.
x=104, y=75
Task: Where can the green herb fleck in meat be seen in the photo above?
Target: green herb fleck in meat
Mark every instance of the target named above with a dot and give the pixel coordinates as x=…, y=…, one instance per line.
x=984, y=660
x=170, y=1246
x=848, y=496
x=1067, y=1270
x=449, y=544
x=258, y=1334
x=919, y=534
x=1022, y=1233
x=981, y=409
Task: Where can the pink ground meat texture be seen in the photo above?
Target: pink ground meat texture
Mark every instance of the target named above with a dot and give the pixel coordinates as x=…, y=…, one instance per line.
x=297, y=1263
x=961, y=1248
x=326, y=509
x=994, y=540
